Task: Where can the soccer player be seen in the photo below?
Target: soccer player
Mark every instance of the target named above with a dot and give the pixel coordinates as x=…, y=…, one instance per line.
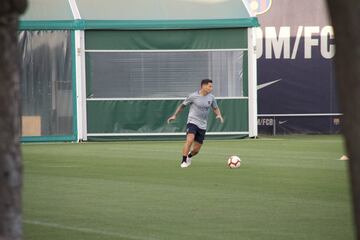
x=200, y=103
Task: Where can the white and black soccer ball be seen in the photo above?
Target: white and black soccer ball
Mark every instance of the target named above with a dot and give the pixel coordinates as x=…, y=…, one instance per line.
x=234, y=162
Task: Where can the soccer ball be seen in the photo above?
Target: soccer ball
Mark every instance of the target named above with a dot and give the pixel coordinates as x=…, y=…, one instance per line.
x=234, y=162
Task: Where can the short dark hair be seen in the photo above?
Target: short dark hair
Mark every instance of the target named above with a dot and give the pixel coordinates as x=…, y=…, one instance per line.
x=205, y=81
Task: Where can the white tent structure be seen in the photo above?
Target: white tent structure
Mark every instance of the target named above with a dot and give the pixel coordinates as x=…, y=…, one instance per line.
x=116, y=69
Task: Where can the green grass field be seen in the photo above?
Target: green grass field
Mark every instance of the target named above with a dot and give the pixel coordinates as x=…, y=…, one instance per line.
x=287, y=188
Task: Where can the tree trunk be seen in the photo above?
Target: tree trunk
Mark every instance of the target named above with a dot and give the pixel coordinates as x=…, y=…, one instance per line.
x=345, y=17
x=10, y=161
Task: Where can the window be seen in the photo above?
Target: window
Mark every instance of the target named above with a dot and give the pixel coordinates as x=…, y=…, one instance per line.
x=163, y=74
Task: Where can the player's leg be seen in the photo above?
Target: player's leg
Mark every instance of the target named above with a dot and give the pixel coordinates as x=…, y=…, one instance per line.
x=187, y=145
x=196, y=149
x=198, y=141
x=190, y=136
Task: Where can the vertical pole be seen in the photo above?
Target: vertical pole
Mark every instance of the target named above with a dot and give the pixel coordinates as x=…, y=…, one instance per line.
x=80, y=76
x=80, y=85
x=252, y=85
x=274, y=126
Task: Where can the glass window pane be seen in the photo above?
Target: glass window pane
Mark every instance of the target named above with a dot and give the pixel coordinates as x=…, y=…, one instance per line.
x=163, y=74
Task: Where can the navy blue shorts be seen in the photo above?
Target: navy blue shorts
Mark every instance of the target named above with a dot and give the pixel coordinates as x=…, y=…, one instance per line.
x=198, y=132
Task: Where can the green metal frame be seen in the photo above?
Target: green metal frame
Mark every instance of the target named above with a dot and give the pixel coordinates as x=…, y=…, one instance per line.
x=139, y=24
x=171, y=24
x=47, y=139
x=50, y=25
x=74, y=87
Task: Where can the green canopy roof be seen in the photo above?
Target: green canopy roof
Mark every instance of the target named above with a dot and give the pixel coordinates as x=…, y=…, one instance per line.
x=137, y=14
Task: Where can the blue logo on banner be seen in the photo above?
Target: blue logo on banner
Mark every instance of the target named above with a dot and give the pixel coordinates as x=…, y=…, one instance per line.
x=259, y=6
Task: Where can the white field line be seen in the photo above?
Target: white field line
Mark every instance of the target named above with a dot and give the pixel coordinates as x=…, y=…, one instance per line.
x=58, y=166
x=86, y=230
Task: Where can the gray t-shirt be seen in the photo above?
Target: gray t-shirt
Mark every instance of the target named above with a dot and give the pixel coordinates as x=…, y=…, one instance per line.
x=199, y=108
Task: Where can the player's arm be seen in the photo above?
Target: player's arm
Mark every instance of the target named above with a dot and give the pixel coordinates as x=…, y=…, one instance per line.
x=178, y=110
x=218, y=114
x=217, y=111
